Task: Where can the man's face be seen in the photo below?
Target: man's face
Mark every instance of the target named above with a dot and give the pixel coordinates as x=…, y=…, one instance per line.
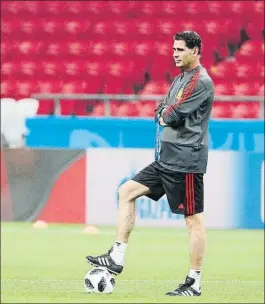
x=183, y=56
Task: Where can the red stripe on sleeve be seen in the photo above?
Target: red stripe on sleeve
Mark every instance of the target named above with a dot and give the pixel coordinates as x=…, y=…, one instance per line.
x=190, y=88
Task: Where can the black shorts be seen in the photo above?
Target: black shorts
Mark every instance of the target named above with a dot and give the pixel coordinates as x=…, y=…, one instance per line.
x=184, y=191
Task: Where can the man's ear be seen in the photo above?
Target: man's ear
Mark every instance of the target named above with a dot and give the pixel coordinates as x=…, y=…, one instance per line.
x=195, y=51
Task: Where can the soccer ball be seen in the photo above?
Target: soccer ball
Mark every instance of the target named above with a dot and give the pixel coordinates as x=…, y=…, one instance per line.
x=99, y=280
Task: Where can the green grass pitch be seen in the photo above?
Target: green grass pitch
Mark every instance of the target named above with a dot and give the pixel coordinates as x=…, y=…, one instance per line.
x=48, y=265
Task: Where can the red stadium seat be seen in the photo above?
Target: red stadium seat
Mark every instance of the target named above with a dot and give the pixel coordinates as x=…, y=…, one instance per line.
x=28, y=48
x=160, y=66
x=134, y=69
x=74, y=8
x=236, y=8
x=166, y=28
x=70, y=107
x=25, y=88
x=261, y=90
x=214, y=8
x=93, y=67
x=144, y=28
x=189, y=25
x=29, y=69
x=155, y=88
x=30, y=8
x=142, y=49
x=248, y=48
x=160, y=71
x=49, y=69
x=51, y=26
x=244, y=110
x=170, y=9
x=75, y=49
x=29, y=28
x=73, y=86
x=8, y=89
x=53, y=50
x=146, y=108
x=77, y=28
x=192, y=8
x=224, y=70
x=243, y=72
x=100, y=48
x=221, y=110
x=8, y=68
x=255, y=28
x=93, y=84
x=246, y=10
x=98, y=110
x=223, y=88
x=48, y=86
x=124, y=109
x=11, y=7
x=121, y=49
x=163, y=49
x=120, y=28
x=54, y=8
x=73, y=69
x=9, y=28
x=100, y=28
x=114, y=82
x=235, y=110
x=46, y=107
x=246, y=88
x=147, y=9
x=220, y=29
x=95, y=8
x=118, y=8
x=114, y=69
x=113, y=85
x=121, y=46
x=7, y=49
x=257, y=11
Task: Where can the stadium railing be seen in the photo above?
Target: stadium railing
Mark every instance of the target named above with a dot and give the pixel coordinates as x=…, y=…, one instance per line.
x=106, y=98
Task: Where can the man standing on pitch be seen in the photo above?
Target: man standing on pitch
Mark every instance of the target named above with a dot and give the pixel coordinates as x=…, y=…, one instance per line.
x=182, y=162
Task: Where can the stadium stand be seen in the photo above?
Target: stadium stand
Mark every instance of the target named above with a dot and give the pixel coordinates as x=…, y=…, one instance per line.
x=125, y=47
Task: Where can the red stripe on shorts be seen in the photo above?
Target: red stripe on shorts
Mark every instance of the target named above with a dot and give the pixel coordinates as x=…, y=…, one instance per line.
x=187, y=194
x=190, y=202
x=192, y=194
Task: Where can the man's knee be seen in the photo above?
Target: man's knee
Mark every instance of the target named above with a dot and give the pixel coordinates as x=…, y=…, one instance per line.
x=125, y=192
x=131, y=190
x=195, y=221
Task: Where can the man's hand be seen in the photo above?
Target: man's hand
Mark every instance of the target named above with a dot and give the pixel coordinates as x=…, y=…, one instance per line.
x=161, y=122
x=158, y=111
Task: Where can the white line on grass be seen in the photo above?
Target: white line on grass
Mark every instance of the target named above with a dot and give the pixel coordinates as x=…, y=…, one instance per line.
x=252, y=282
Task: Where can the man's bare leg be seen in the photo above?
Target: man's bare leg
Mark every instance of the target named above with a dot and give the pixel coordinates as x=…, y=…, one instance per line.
x=128, y=193
x=197, y=235
x=114, y=259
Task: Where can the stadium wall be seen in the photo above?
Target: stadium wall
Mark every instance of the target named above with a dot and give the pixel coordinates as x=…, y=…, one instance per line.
x=80, y=185
x=233, y=189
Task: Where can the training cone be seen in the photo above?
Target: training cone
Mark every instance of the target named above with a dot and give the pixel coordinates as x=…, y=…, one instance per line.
x=89, y=229
x=40, y=224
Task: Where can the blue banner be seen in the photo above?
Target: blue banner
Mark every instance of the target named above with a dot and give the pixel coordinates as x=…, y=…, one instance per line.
x=82, y=133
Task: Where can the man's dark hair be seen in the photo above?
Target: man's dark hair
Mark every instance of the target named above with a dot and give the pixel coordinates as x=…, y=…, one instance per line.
x=191, y=38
